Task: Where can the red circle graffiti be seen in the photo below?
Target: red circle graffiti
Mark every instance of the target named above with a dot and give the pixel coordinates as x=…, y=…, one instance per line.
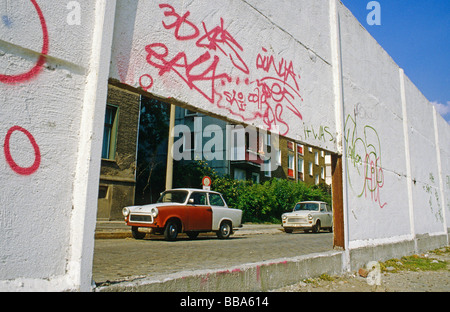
x=147, y=86
x=14, y=79
x=10, y=160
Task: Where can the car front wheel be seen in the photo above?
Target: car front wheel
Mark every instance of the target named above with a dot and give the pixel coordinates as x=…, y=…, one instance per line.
x=136, y=234
x=224, y=230
x=171, y=231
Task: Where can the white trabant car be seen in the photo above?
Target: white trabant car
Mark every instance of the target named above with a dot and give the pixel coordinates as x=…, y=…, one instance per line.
x=190, y=211
x=308, y=215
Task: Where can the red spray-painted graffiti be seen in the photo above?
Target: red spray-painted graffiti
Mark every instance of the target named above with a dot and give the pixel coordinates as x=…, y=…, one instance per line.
x=20, y=78
x=9, y=159
x=273, y=96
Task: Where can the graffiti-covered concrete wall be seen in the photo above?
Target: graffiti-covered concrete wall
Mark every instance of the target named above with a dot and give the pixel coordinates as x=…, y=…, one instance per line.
x=391, y=147
x=306, y=69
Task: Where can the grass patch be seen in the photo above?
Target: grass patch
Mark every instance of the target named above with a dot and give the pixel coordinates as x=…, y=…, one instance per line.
x=415, y=263
x=326, y=277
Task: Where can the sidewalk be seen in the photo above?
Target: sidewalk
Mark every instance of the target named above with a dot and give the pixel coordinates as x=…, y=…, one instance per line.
x=118, y=229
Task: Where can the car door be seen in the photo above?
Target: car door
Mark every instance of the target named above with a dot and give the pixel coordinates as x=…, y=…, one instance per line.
x=220, y=209
x=199, y=213
x=326, y=216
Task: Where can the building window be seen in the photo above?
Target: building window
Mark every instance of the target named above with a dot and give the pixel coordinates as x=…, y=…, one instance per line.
x=316, y=158
x=300, y=149
x=311, y=169
x=267, y=169
x=300, y=167
x=290, y=145
x=239, y=174
x=110, y=133
x=322, y=173
x=255, y=177
x=317, y=179
x=189, y=113
x=291, y=166
x=103, y=191
x=237, y=145
x=278, y=157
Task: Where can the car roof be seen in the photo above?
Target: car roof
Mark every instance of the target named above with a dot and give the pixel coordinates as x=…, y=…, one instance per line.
x=312, y=201
x=192, y=190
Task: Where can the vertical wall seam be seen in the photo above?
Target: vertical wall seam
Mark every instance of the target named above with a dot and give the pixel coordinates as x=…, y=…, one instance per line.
x=336, y=56
x=407, y=156
x=439, y=164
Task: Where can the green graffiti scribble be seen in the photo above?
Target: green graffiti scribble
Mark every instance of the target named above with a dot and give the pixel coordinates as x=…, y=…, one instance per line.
x=364, y=156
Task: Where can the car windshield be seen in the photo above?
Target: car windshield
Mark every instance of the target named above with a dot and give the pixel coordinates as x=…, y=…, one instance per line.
x=173, y=197
x=307, y=206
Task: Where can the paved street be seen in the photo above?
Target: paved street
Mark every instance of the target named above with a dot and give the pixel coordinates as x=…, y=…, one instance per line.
x=120, y=259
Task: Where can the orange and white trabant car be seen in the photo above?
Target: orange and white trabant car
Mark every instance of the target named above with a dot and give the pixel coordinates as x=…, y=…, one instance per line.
x=189, y=211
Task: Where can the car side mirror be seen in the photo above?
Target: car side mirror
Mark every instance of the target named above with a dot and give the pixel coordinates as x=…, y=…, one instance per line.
x=191, y=201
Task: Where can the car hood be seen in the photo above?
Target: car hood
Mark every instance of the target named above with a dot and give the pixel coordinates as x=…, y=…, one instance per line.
x=147, y=208
x=299, y=213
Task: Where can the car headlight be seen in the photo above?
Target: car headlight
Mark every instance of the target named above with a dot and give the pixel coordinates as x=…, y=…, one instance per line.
x=125, y=211
x=283, y=217
x=154, y=212
x=310, y=217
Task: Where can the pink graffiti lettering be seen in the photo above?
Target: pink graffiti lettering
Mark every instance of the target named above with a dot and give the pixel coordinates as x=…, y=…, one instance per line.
x=14, y=166
x=185, y=70
x=179, y=21
x=283, y=70
x=272, y=97
x=235, y=98
x=33, y=72
x=219, y=38
x=374, y=180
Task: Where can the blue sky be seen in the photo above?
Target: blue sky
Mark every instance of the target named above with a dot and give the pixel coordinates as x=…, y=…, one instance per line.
x=416, y=34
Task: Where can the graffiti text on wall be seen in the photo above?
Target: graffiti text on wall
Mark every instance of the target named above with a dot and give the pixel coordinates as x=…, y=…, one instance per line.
x=364, y=159
x=433, y=193
x=270, y=98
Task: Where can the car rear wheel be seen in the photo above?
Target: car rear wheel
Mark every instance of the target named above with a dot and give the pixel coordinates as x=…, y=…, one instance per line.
x=136, y=234
x=224, y=230
x=171, y=230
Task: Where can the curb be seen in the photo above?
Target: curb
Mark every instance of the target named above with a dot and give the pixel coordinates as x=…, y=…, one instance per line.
x=260, y=276
x=118, y=230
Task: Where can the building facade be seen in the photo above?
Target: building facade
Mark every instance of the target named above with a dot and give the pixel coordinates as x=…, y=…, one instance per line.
x=119, y=153
x=241, y=151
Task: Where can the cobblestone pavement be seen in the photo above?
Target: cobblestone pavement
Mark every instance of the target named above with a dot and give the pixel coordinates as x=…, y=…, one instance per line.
x=127, y=258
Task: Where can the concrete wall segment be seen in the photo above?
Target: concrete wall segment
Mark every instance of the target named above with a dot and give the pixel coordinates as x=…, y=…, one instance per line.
x=443, y=131
x=377, y=188
x=45, y=65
